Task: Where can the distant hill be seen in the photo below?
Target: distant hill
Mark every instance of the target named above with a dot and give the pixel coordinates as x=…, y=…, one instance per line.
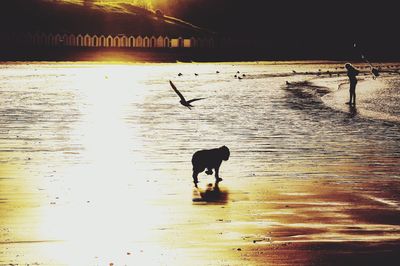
x=62, y=17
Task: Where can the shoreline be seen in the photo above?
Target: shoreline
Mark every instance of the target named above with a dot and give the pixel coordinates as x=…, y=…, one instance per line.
x=376, y=98
x=370, y=94
x=160, y=55
x=129, y=55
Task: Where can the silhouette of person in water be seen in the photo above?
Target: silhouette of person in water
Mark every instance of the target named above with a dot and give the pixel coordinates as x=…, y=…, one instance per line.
x=209, y=159
x=352, y=73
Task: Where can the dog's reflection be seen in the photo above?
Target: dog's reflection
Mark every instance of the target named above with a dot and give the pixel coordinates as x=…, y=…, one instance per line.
x=212, y=194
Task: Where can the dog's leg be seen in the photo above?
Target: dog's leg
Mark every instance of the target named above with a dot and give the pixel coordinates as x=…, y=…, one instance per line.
x=217, y=178
x=195, y=178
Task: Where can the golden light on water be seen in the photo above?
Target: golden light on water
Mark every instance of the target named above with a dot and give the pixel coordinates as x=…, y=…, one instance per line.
x=100, y=172
x=100, y=205
x=101, y=213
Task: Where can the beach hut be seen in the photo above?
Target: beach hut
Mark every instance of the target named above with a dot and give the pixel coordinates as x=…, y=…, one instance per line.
x=174, y=43
x=102, y=41
x=64, y=39
x=79, y=40
x=124, y=41
x=117, y=41
x=131, y=41
x=160, y=42
x=193, y=42
x=71, y=40
x=139, y=41
x=53, y=40
x=95, y=41
x=146, y=42
x=50, y=40
x=87, y=40
x=187, y=43
x=58, y=41
x=153, y=42
x=167, y=42
x=109, y=41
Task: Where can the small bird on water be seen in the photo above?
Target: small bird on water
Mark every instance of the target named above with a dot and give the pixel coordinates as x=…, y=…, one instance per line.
x=183, y=100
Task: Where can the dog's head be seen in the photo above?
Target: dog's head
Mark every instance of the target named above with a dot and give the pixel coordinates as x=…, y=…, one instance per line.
x=224, y=152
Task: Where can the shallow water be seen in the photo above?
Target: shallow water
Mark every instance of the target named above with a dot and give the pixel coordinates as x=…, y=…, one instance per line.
x=96, y=162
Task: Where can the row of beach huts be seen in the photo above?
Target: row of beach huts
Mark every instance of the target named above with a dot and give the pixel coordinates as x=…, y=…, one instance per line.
x=110, y=41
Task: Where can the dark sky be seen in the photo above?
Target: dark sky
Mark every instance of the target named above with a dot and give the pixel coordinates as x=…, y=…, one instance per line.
x=374, y=25
x=295, y=16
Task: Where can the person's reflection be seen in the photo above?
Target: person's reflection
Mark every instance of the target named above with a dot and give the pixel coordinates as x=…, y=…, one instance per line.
x=352, y=110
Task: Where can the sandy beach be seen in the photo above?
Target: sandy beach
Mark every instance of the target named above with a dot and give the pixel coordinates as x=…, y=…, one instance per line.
x=95, y=165
x=377, y=98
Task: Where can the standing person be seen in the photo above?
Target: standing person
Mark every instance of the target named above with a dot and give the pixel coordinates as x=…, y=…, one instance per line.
x=352, y=73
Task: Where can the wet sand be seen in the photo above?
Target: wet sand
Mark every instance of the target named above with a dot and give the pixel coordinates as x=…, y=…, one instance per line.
x=376, y=99
x=306, y=222
x=95, y=169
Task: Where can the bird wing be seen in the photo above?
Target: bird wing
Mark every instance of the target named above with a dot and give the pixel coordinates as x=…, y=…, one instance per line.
x=193, y=100
x=177, y=92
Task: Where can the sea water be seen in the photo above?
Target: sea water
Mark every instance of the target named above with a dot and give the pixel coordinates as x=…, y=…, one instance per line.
x=97, y=141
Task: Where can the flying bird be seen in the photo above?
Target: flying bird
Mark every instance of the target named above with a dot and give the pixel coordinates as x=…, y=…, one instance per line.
x=183, y=100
